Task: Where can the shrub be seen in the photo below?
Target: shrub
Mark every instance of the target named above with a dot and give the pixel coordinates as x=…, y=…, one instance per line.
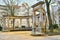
x=55, y=26
x=55, y=30
x=16, y=27
x=0, y=28
x=23, y=26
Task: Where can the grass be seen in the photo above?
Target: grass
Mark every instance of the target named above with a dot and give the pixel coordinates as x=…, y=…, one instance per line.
x=55, y=32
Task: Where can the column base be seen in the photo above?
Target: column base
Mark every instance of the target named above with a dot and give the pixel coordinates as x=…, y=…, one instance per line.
x=37, y=32
x=41, y=34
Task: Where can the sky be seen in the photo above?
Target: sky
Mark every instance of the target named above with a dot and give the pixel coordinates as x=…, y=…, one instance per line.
x=30, y=2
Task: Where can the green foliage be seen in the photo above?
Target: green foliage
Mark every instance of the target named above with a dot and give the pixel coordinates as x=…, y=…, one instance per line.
x=0, y=27
x=23, y=26
x=55, y=26
x=55, y=30
x=16, y=26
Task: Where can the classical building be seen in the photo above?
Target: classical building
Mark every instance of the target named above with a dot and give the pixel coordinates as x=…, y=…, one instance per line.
x=19, y=17
x=34, y=16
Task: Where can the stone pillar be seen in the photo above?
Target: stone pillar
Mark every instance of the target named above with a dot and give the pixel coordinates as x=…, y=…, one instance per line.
x=28, y=23
x=39, y=30
x=8, y=25
x=41, y=22
x=42, y=19
x=44, y=23
x=20, y=22
x=3, y=24
x=34, y=23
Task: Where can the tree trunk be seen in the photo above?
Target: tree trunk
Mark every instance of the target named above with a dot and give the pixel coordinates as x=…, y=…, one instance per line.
x=49, y=17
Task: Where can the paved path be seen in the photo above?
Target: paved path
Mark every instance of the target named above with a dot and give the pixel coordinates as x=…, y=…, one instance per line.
x=25, y=36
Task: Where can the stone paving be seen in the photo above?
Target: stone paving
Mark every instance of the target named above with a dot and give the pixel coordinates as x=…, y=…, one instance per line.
x=25, y=35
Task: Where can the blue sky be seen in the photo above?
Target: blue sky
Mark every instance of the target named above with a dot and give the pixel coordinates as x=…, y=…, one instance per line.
x=30, y=2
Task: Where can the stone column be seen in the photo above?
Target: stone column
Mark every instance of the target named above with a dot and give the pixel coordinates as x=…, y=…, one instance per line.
x=8, y=25
x=3, y=24
x=34, y=23
x=42, y=19
x=28, y=23
x=20, y=22
x=40, y=22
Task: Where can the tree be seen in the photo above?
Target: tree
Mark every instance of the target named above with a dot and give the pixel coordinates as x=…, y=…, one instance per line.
x=11, y=8
x=59, y=5
x=48, y=13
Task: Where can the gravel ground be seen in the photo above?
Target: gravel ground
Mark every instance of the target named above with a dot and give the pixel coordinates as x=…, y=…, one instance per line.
x=25, y=35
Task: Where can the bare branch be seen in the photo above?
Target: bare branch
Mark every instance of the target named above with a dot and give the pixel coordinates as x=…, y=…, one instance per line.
x=10, y=5
x=49, y=1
